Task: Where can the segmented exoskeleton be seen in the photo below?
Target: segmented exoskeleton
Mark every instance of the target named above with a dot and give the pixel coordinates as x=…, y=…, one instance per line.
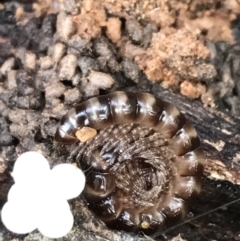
x=145, y=161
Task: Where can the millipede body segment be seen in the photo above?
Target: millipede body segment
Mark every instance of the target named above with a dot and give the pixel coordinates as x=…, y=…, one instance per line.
x=143, y=163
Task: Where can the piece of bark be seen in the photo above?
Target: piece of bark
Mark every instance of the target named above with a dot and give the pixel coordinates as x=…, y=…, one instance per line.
x=219, y=133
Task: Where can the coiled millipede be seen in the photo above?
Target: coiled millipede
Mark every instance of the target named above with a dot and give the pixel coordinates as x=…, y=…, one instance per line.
x=143, y=159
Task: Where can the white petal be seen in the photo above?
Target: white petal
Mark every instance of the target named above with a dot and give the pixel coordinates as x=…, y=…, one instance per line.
x=26, y=193
x=17, y=192
x=19, y=217
x=56, y=219
x=30, y=167
x=69, y=180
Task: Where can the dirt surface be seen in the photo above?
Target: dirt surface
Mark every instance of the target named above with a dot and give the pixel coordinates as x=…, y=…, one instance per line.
x=55, y=54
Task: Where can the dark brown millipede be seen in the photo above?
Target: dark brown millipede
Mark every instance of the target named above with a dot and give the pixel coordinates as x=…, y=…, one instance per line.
x=144, y=164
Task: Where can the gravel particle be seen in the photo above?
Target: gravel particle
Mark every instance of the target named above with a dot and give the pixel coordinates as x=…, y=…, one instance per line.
x=47, y=31
x=24, y=83
x=8, y=153
x=30, y=60
x=192, y=90
x=46, y=62
x=100, y=80
x=59, y=111
x=34, y=101
x=71, y=7
x=51, y=103
x=18, y=116
x=90, y=91
x=7, y=66
x=23, y=102
x=55, y=90
x=43, y=78
x=9, y=98
x=76, y=79
x=113, y=64
x=103, y=47
x=18, y=131
x=130, y=69
x=79, y=46
x=72, y=96
x=114, y=29
x=148, y=31
x=102, y=63
x=59, y=51
x=65, y=26
x=6, y=138
x=86, y=64
x=68, y=67
x=49, y=128
x=134, y=30
x=208, y=99
x=12, y=79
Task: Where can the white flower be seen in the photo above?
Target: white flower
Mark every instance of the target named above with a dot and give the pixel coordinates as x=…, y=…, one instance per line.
x=38, y=199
